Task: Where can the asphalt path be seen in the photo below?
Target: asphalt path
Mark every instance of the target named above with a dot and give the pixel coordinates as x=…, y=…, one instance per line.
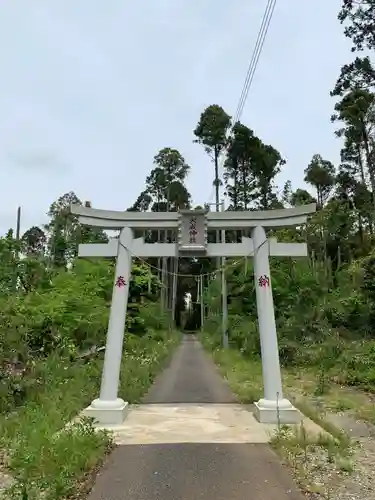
x=193, y=471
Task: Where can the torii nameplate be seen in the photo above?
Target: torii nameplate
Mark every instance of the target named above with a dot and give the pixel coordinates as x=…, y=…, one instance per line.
x=192, y=231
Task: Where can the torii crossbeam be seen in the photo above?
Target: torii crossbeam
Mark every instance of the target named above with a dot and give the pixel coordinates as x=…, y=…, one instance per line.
x=192, y=226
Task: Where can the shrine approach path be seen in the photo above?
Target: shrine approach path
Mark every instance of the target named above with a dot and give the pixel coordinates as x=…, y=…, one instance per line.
x=190, y=440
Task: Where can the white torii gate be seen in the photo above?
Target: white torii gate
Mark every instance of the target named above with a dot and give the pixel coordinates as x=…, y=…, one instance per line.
x=192, y=227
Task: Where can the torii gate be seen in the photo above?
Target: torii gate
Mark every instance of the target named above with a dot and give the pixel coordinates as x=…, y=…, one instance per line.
x=192, y=226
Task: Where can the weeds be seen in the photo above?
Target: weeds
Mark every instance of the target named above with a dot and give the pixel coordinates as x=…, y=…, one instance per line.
x=313, y=458
x=49, y=463
x=318, y=461
x=244, y=377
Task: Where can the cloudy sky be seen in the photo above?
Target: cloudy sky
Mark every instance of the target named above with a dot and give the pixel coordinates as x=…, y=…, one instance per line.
x=90, y=90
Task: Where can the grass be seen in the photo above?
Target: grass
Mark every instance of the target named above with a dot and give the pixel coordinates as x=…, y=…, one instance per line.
x=330, y=396
x=55, y=465
x=318, y=461
x=324, y=394
x=244, y=380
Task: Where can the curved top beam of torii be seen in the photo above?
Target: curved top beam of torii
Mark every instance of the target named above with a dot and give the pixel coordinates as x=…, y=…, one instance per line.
x=112, y=219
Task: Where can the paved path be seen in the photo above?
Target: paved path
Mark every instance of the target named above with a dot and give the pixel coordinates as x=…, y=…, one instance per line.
x=164, y=456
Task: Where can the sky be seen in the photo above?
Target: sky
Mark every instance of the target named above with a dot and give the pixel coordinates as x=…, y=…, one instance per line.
x=91, y=90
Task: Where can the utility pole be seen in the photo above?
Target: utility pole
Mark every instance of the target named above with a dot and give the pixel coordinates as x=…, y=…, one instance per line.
x=224, y=291
x=18, y=227
x=174, y=290
x=217, y=203
x=202, y=303
x=224, y=294
x=17, y=253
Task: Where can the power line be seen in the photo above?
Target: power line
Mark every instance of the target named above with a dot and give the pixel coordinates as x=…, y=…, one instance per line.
x=253, y=64
x=181, y=275
x=262, y=33
x=267, y=17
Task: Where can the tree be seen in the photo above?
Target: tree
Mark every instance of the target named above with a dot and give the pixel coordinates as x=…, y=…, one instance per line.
x=87, y=234
x=351, y=153
x=360, y=16
x=179, y=196
x=301, y=197
x=211, y=132
x=172, y=163
x=142, y=203
x=156, y=184
x=238, y=175
x=250, y=169
x=171, y=170
x=359, y=74
x=34, y=241
x=287, y=193
x=65, y=233
x=62, y=229
x=266, y=164
x=357, y=111
x=9, y=259
x=355, y=194
x=171, y=167
x=165, y=191
x=320, y=174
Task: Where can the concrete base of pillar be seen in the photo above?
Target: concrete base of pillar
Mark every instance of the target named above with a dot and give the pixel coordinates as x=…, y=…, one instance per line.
x=269, y=412
x=107, y=413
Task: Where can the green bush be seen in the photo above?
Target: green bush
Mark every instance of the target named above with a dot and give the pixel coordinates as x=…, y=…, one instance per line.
x=42, y=459
x=318, y=326
x=66, y=318
x=359, y=361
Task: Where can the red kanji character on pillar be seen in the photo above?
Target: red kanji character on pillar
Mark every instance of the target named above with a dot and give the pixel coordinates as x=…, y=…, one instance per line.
x=264, y=281
x=120, y=282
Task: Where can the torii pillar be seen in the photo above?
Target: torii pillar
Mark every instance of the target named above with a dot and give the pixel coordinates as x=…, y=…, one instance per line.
x=109, y=408
x=273, y=407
